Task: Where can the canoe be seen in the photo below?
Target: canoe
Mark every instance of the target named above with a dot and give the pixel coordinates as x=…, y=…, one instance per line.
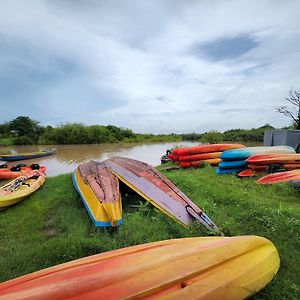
x=280, y=177
x=228, y=171
x=21, y=156
x=99, y=191
x=212, y=161
x=232, y=164
x=197, y=157
x=159, y=191
x=274, y=159
x=205, y=149
x=11, y=172
x=20, y=188
x=189, y=268
x=244, y=153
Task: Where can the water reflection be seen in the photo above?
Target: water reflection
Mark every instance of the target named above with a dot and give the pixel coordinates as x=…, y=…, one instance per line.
x=67, y=157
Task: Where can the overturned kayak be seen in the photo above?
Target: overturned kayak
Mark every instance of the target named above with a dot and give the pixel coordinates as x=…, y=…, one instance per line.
x=267, y=159
x=21, y=156
x=280, y=177
x=11, y=172
x=159, y=191
x=190, y=268
x=195, y=163
x=20, y=188
x=99, y=191
x=201, y=156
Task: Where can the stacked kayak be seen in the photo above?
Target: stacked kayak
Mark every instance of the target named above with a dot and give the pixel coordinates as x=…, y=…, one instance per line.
x=99, y=191
x=159, y=191
x=20, y=188
x=234, y=161
x=21, y=156
x=197, y=155
x=293, y=175
x=189, y=268
x=11, y=172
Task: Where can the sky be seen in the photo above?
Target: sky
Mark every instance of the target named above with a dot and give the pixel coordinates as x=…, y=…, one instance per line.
x=157, y=66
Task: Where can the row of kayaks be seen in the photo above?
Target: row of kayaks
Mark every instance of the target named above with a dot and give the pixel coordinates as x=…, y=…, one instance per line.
x=241, y=160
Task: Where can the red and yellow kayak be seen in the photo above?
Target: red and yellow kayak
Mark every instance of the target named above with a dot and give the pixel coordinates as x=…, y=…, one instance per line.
x=205, y=149
x=201, y=156
x=12, y=172
x=190, y=268
x=212, y=161
x=268, y=159
x=280, y=177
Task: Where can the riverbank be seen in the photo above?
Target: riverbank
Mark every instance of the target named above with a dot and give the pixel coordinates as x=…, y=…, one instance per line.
x=52, y=226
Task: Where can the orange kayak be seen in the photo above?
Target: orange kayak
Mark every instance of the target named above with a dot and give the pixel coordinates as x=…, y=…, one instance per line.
x=280, y=177
x=201, y=156
x=247, y=173
x=197, y=163
x=205, y=149
x=11, y=172
x=291, y=166
x=190, y=268
x=267, y=159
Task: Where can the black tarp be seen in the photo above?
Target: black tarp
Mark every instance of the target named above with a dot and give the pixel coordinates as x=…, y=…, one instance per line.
x=283, y=137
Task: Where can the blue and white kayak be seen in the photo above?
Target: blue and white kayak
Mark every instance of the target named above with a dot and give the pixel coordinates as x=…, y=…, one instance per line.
x=21, y=156
x=231, y=164
x=229, y=171
x=243, y=153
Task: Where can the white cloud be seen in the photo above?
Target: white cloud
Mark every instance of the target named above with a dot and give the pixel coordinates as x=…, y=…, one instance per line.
x=114, y=62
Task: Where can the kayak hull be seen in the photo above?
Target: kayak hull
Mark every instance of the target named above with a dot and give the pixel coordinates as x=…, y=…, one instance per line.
x=280, y=177
x=105, y=211
x=190, y=268
x=211, y=161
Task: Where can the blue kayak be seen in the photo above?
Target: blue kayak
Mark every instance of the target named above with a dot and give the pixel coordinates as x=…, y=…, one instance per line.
x=229, y=171
x=21, y=156
x=244, y=153
x=231, y=164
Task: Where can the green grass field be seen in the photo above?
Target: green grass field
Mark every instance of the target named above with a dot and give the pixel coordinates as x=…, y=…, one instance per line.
x=53, y=227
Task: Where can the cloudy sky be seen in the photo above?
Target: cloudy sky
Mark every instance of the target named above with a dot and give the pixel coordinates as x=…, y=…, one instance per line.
x=155, y=66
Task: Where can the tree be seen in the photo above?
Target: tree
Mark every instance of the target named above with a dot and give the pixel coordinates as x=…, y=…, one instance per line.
x=24, y=130
x=294, y=112
x=212, y=137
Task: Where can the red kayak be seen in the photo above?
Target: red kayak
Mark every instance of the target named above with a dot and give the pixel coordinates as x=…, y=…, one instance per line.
x=201, y=156
x=268, y=159
x=280, y=177
x=12, y=172
x=205, y=149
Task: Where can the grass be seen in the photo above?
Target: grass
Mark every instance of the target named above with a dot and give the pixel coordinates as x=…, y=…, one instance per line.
x=52, y=226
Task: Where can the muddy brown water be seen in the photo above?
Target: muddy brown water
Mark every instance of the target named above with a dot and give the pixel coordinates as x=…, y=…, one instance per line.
x=68, y=157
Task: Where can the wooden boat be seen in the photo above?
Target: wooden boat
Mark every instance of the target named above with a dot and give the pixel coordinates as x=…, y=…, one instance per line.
x=21, y=156
x=159, y=191
x=280, y=177
x=99, y=191
x=229, y=268
x=11, y=172
x=20, y=188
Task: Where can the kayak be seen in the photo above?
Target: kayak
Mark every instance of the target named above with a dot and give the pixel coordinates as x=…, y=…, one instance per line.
x=159, y=191
x=205, y=149
x=198, y=157
x=212, y=161
x=291, y=166
x=11, y=172
x=228, y=171
x=232, y=164
x=274, y=159
x=244, y=153
x=189, y=268
x=99, y=191
x=21, y=156
x=280, y=177
x=20, y=188
x=247, y=173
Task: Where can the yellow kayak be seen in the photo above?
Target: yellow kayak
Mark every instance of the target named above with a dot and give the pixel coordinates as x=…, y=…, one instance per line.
x=20, y=188
x=190, y=268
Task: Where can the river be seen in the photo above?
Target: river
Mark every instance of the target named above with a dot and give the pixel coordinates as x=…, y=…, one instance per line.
x=68, y=157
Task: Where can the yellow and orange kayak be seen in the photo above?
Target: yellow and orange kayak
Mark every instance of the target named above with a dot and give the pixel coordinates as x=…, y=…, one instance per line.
x=190, y=268
x=211, y=161
x=280, y=177
x=20, y=188
x=201, y=156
